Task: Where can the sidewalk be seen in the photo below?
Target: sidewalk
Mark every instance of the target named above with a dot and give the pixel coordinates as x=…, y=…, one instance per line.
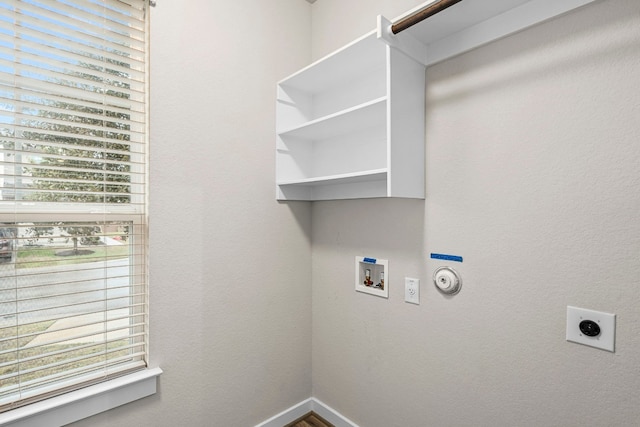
x=64, y=328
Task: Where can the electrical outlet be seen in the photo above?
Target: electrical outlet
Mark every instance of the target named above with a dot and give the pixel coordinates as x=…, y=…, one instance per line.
x=592, y=328
x=412, y=290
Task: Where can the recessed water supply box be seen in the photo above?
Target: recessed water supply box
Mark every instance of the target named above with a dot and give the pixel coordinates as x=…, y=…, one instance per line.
x=371, y=276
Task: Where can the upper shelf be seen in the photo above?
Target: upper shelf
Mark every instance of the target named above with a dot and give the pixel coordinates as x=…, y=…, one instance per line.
x=470, y=24
x=460, y=16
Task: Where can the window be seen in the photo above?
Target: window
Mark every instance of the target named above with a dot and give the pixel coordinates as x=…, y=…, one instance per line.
x=73, y=150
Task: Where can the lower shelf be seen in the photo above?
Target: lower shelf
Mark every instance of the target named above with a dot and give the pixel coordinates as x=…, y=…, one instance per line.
x=366, y=184
x=345, y=178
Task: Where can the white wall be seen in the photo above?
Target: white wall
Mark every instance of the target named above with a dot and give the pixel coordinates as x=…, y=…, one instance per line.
x=533, y=176
x=230, y=267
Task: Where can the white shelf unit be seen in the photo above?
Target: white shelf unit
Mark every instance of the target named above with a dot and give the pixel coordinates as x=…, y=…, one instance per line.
x=352, y=126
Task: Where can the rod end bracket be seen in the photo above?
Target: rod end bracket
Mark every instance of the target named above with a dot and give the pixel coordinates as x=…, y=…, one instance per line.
x=404, y=42
x=384, y=30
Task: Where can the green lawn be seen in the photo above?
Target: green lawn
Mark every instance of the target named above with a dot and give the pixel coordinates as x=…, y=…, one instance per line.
x=6, y=343
x=42, y=256
x=11, y=359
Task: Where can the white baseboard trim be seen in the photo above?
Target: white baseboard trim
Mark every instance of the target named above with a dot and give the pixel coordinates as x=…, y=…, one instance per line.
x=330, y=414
x=312, y=404
x=288, y=415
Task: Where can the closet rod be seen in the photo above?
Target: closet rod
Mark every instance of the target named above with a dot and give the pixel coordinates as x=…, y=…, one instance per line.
x=421, y=15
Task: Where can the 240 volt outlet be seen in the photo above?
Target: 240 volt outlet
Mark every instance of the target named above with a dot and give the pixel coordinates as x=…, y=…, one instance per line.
x=593, y=328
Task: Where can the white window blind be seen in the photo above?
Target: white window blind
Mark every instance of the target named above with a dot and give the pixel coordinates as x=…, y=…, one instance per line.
x=73, y=175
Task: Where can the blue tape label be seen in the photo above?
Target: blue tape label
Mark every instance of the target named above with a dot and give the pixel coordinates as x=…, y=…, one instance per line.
x=455, y=258
x=369, y=260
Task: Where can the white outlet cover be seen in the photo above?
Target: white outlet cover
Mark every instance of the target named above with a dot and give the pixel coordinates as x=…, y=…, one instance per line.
x=606, y=321
x=412, y=290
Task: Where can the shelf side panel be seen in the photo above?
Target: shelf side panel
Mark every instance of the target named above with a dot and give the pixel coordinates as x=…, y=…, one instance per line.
x=406, y=131
x=293, y=108
x=294, y=161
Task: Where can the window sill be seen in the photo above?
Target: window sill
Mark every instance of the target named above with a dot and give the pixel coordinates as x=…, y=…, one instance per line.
x=74, y=406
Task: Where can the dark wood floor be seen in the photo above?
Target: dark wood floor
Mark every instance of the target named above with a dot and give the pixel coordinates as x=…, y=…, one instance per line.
x=310, y=420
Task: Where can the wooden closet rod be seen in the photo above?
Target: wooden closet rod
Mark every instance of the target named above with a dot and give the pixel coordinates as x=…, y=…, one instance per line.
x=421, y=15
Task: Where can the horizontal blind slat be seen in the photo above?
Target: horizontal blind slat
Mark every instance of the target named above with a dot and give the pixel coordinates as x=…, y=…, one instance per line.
x=114, y=56
x=59, y=74
x=89, y=169
x=134, y=320
x=77, y=359
x=80, y=129
x=134, y=73
x=84, y=267
x=86, y=93
x=76, y=293
x=31, y=20
x=80, y=194
x=35, y=100
x=135, y=312
x=77, y=304
x=90, y=99
x=81, y=148
x=111, y=10
x=25, y=208
x=108, y=17
x=71, y=69
x=77, y=347
x=85, y=166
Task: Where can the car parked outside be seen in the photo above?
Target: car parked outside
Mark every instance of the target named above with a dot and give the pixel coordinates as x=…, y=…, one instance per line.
x=7, y=244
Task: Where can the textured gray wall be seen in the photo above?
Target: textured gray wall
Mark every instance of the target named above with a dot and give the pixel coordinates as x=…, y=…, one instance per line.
x=533, y=171
x=230, y=267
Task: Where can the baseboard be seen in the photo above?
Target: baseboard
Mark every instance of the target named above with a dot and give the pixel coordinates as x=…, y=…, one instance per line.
x=312, y=404
x=330, y=414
